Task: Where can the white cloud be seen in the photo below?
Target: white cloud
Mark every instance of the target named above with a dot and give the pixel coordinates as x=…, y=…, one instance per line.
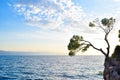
x=59, y=15
x=51, y=14
x=60, y=19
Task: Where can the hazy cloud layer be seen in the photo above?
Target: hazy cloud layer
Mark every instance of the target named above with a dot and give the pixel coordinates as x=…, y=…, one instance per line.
x=51, y=14
x=60, y=16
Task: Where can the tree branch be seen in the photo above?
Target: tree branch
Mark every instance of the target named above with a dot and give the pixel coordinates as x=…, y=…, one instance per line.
x=102, y=28
x=96, y=48
x=99, y=25
x=108, y=44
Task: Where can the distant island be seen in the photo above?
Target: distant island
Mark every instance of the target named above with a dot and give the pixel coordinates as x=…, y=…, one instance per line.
x=3, y=52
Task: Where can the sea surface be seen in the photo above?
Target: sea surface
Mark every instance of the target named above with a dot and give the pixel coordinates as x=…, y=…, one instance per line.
x=51, y=67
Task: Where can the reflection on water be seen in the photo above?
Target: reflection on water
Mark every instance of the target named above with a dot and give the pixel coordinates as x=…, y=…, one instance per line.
x=51, y=67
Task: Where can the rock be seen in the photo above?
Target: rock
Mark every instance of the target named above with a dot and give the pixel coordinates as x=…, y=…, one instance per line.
x=112, y=70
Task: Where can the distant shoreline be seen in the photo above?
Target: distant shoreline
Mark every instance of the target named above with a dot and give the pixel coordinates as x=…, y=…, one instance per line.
x=25, y=53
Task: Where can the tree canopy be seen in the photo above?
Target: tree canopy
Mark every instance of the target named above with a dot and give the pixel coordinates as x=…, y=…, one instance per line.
x=78, y=43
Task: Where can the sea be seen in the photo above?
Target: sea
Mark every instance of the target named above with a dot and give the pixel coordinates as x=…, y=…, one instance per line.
x=46, y=67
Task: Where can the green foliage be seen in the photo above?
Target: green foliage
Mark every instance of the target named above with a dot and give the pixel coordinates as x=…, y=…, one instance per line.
x=77, y=43
x=91, y=24
x=74, y=42
x=107, y=22
x=71, y=53
x=85, y=48
x=116, y=53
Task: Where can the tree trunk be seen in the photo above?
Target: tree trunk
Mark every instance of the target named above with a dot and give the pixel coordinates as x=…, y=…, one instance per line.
x=111, y=69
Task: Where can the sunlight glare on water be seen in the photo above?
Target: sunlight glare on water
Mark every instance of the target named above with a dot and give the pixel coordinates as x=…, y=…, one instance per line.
x=51, y=67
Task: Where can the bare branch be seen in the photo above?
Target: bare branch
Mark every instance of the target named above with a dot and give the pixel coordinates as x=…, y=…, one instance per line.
x=108, y=44
x=102, y=28
x=96, y=47
x=106, y=39
x=96, y=21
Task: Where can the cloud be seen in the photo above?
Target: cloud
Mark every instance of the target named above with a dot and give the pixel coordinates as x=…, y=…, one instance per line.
x=59, y=15
x=51, y=14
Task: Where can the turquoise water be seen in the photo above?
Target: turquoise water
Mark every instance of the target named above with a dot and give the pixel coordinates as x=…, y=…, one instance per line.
x=51, y=67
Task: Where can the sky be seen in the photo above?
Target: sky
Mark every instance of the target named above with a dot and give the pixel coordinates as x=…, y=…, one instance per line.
x=47, y=25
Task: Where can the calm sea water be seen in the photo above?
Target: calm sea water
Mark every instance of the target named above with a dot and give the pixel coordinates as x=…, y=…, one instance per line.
x=51, y=67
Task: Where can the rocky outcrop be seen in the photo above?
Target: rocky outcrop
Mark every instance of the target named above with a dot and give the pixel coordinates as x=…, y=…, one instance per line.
x=112, y=69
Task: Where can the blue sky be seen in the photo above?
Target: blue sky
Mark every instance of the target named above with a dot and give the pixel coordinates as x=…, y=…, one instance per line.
x=47, y=25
